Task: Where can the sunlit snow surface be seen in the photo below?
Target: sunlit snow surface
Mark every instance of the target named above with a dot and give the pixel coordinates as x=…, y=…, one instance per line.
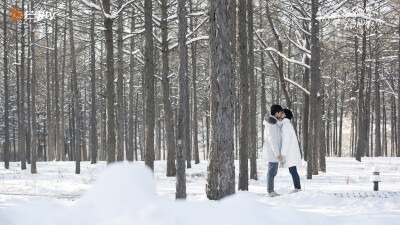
x=130, y=194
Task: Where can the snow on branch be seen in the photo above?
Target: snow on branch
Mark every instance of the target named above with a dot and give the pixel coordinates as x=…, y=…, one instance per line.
x=172, y=3
x=158, y=77
x=196, y=28
x=197, y=39
x=196, y=14
x=52, y=49
x=115, y=15
x=299, y=46
x=274, y=30
x=288, y=59
x=131, y=53
x=173, y=17
x=300, y=27
x=190, y=41
x=297, y=85
x=262, y=42
x=336, y=7
x=136, y=54
x=127, y=36
x=392, y=91
x=81, y=39
x=91, y=4
x=156, y=20
x=159, y=40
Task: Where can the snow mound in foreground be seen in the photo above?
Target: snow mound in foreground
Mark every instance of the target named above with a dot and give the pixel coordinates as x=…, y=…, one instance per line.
x=125, y=194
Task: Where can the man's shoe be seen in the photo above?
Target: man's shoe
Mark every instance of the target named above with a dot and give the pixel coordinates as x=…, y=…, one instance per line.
x=273, y=194
x=295, y=191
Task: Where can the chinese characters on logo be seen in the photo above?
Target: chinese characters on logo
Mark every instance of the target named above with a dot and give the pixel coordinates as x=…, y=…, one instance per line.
x=18, y=14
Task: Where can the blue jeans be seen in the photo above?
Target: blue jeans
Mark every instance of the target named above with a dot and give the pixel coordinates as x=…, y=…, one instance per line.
x=272, y=171
x=295, y=177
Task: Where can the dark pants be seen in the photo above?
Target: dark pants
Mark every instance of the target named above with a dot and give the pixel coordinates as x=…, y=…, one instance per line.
x=295, y=177
x=272, y=171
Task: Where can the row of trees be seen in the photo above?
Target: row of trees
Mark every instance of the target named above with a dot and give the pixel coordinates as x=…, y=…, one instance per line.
x=70, y=92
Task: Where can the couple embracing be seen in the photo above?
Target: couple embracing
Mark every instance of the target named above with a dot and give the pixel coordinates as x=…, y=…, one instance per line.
x=281, y=145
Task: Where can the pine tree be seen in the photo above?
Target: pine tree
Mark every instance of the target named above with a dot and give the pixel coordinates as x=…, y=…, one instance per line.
x=244, y=102
x=110, y=93
x=182, y=143
x=168, y=126
x=149, y=76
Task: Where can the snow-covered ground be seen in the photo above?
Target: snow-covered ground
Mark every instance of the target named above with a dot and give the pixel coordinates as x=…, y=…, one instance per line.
x=129, y=194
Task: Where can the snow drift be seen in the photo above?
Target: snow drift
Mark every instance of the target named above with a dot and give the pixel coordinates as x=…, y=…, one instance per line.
x=125, y=194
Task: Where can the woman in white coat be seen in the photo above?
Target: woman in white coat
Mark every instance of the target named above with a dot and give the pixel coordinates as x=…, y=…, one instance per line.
x=290, y=148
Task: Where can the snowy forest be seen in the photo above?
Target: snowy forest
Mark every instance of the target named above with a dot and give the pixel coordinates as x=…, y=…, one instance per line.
x=185, y=81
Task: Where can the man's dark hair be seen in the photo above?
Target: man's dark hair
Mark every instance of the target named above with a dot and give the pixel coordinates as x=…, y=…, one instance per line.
x=288, y=113
x=275, y=109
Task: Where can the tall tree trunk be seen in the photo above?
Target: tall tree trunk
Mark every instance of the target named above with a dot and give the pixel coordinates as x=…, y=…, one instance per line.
x=56, y=94
x=28, y=101
x=367, y=114
x=157, y=121
x=21, y=101
x=384, y=138
x=234, y=77
x=18, y=100
x=126, y=117
x=252, y=92
x=131, y=136
x=110, y=93
x=208, y=127
x=103, y=113
x=328, y=120
x=136, y=126
x=14, y=142
x=75, y=93
x=398, y=94
x=70, y=153
x=195, y=144
x=244, y=99
x=320, y=129
x=149, y=74
x=93, y=122
x=263, y=102
x=361, y=128
x=306, y=113
x=62, y=130
x=221, y=170
x=392, y=122
x=315, y=135
x=378, y=150
x=50, y=134
x=34, y=143
x=371, y=128
x=120, y=88
x=335, y=115
x=6, y=95
x=53, y=90
x=183, y=113
x=186, y=123
x=168, y=126
x=341, y=119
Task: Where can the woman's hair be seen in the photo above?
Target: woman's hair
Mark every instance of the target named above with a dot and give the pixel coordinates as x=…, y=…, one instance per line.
x=288, y=113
